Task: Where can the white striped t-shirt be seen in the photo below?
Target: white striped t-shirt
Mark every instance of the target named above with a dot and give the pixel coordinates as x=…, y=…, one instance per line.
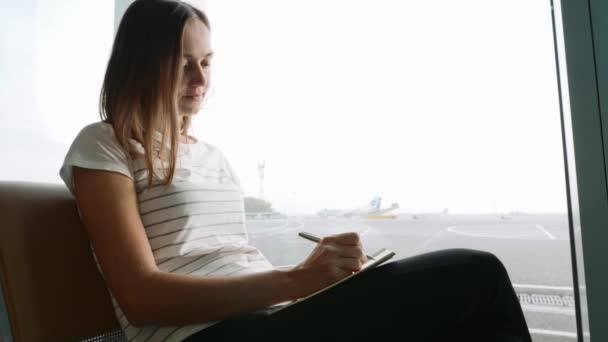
x=195, y=226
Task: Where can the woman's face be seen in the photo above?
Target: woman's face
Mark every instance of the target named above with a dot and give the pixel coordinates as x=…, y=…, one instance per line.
x=195, y=63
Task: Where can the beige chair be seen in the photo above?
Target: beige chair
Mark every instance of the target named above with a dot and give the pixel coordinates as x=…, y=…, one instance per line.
x=51, y=287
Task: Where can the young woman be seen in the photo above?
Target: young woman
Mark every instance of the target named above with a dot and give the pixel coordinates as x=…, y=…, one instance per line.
x=164, y=214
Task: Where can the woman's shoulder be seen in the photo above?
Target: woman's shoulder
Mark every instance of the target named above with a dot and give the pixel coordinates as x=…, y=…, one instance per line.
x=96, y=140
x=95, y=147
x=97, y=129
x=102, y=134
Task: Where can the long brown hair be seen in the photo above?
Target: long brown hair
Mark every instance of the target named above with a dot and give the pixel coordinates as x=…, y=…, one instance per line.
x=139, y=92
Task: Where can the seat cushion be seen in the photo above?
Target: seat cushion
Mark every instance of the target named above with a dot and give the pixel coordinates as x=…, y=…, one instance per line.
x=53, y=290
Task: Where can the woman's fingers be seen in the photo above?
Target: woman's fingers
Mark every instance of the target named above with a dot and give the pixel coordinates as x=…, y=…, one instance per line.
x=350, y=264
x=335, y=257
x=351, y=252
x=348, y=239
x=347, y=250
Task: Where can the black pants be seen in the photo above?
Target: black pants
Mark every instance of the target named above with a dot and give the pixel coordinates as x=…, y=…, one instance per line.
x=449, y=295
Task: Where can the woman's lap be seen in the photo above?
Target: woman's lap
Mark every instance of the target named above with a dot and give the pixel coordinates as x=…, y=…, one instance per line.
x=433, y=296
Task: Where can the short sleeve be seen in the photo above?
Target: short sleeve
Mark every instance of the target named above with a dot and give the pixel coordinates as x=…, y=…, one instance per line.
x=95, y=147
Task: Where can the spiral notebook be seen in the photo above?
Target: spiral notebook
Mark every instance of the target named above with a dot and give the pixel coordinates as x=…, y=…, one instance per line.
x=379, y=258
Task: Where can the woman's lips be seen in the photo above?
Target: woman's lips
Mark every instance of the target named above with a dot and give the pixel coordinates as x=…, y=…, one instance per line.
x=194, y=97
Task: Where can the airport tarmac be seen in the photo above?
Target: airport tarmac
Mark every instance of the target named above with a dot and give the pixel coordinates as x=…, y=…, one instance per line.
x=534, y=248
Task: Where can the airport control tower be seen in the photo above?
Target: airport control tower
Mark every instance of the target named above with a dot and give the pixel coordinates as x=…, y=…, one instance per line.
x=261, y=175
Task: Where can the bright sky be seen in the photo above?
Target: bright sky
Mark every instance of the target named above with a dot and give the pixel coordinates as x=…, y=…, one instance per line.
x=435, y=104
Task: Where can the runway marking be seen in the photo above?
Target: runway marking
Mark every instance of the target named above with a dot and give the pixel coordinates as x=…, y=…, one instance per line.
x=551, y=303
x=553, y=333
x=546, y=299
x=568, y=311
x=273, y=230
x=544, y=287
x=545, y=231
x=455, y=230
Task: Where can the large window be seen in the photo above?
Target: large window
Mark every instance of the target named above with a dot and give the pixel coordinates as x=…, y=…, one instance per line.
x=52, y=58
x=444, y=113
x=448, y=109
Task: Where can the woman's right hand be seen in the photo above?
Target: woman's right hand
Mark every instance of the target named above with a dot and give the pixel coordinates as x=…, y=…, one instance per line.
x=334, y=257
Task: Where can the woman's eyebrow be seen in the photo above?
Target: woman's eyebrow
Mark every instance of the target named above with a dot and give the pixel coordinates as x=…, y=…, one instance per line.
x=208, y=55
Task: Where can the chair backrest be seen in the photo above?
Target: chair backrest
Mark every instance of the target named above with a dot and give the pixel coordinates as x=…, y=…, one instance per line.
x=52, y=288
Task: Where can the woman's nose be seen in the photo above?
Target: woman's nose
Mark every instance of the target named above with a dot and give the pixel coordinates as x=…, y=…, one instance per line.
x=198, y=76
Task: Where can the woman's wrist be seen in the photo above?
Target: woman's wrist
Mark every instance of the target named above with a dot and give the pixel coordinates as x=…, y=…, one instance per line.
x=295, y=282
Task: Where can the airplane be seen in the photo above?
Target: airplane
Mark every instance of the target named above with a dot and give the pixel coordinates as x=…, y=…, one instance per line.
x=372, y=210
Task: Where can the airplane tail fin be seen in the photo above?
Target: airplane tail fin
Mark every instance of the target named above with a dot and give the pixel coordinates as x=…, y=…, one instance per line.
x=376, y=202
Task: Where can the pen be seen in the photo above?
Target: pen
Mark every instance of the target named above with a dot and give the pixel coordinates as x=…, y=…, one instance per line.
x=313, y=238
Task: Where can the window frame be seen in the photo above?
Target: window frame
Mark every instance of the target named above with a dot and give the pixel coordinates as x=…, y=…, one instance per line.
x=584, y=101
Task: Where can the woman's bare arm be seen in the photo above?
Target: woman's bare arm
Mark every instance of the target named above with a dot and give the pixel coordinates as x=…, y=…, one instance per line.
x=108, y=205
